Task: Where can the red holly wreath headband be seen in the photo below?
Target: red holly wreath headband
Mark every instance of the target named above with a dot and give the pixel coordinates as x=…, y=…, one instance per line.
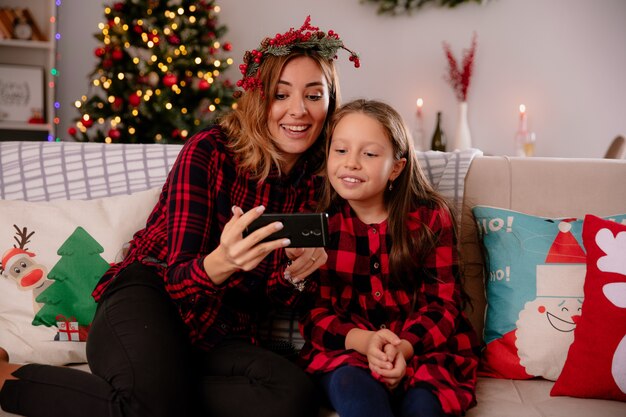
x=307, y=37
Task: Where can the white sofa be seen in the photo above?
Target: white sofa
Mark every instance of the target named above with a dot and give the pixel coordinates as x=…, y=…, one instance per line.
x=540, y=186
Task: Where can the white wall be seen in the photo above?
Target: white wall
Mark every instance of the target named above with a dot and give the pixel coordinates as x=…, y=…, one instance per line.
x=564, y=59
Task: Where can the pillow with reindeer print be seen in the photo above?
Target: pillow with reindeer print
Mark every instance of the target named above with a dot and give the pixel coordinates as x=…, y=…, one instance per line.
x=53, y=254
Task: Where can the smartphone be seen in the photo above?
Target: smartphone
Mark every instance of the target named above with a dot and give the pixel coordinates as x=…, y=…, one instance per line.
x=305, y=230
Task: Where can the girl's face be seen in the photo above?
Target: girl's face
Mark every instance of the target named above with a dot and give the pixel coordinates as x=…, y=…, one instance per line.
x=361, y=162
x=298, y=109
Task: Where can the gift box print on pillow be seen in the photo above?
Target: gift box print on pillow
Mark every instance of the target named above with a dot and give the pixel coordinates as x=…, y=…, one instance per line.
x=53, y=254
x=535, y=275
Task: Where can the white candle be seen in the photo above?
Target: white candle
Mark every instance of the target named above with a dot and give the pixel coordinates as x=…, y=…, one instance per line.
x=419, y=103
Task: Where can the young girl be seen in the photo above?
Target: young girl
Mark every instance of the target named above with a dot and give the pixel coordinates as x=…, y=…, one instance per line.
x=387, y=335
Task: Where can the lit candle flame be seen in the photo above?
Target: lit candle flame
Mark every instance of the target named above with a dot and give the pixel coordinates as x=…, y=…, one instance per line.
x=419, y=103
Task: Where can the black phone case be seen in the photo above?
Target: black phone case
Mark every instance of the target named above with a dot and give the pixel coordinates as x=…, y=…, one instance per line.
x=305, y=230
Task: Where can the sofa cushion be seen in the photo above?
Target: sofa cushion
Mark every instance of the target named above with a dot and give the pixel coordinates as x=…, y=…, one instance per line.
x=596, y=362
x=535, y=275
x=53, y=253
x=531, y=398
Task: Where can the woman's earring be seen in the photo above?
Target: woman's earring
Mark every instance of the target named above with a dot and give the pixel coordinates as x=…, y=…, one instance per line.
x=390, y=185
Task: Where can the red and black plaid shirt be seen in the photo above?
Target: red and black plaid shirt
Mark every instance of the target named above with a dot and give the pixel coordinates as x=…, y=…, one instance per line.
x=355, y=291
x=186, y=225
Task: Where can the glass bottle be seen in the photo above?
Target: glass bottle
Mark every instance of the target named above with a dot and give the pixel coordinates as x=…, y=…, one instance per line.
x=438, y=142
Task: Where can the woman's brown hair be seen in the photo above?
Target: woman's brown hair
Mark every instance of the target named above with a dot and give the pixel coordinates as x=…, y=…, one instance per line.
x=247, y=125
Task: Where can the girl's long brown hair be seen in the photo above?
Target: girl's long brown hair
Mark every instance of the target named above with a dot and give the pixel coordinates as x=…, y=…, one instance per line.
x=411, y=189
x=247, y=125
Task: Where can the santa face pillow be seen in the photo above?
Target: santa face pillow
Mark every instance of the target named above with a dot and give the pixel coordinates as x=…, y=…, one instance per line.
x=596, y=362
x=536, y=270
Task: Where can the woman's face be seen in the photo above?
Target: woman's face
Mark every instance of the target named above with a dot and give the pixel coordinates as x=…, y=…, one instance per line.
x=298, y=109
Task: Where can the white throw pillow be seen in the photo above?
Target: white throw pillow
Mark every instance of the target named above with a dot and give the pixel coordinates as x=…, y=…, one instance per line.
x=53, y=254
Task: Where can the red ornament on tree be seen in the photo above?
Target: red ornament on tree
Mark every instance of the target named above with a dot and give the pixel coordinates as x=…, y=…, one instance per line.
x=227, y=47
x=115, y=134
x=173, y=40
x=134, y=100
x=87, y=122
x=117, y=54
x=107, y=63
x=203, y=85
x=99, y=52
x=72, y=131
x=169, y=80
x=117, y=104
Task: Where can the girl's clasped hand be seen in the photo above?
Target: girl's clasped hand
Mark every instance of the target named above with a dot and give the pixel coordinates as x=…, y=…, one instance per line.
x=385, y=358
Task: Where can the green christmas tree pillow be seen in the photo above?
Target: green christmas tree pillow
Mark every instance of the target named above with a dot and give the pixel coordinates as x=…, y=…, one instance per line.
x=53, y=254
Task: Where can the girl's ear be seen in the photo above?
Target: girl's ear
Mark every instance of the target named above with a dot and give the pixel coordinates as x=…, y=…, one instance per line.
x=398, y=166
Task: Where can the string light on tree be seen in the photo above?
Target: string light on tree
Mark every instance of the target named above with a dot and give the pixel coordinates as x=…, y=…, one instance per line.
x=158, y=73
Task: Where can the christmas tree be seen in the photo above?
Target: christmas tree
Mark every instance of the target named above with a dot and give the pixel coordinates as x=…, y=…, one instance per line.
x=75, y=275
x=159, y=73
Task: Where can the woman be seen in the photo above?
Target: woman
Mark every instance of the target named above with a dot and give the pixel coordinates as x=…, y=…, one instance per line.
x=191, y=262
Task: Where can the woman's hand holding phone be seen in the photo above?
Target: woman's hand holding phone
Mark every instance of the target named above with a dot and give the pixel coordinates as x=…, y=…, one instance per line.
x=236, y=252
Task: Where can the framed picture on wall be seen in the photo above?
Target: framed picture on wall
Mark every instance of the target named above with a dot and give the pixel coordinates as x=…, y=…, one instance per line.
x=21, y=93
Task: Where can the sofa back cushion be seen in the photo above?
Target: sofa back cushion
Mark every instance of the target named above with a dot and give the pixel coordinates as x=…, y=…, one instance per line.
x=43, y=171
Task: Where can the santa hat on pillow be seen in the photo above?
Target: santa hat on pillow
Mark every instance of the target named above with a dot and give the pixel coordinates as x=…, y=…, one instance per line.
x=565, y=249
x=11, y=256
x=563, y=274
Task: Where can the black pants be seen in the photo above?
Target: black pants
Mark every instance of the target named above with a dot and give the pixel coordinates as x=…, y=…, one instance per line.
x=143, y=366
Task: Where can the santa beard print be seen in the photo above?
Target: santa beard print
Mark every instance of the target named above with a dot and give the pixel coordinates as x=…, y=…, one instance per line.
x=545, y=330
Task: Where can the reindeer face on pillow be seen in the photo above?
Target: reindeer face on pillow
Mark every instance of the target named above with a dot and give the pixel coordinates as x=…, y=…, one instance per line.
x=22, y=267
